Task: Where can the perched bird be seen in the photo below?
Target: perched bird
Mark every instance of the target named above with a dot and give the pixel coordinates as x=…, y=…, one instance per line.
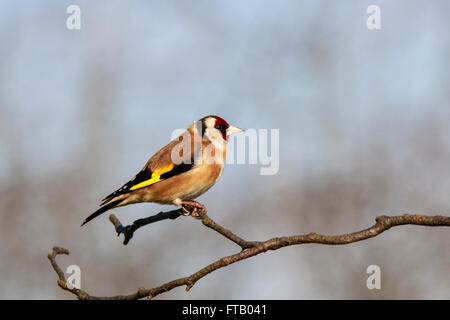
x=180, y=172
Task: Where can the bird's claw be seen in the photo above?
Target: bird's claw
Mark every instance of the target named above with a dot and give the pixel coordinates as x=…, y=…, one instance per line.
x=185, y=212
x=194, y=212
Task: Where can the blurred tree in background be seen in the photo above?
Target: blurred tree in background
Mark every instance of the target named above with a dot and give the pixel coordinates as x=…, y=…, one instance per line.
x=363, y=118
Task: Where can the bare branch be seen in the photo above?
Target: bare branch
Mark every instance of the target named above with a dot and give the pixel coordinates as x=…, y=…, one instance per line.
x=250, y=249
x=207, y=221
x=62, y=282
x=129, y=230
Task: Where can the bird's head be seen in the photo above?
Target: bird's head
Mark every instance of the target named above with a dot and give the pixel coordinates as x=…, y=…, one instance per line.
x=215, y=125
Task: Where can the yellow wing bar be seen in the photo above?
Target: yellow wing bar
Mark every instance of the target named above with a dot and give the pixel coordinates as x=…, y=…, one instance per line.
x=155, y=177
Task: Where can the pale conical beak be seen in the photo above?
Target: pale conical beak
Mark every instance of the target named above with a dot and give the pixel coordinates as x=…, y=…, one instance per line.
x=232, y=130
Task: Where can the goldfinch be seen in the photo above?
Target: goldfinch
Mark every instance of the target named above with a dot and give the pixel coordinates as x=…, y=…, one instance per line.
x=180, y=172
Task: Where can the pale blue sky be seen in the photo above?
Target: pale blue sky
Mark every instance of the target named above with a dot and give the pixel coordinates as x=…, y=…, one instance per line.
x=309, y=68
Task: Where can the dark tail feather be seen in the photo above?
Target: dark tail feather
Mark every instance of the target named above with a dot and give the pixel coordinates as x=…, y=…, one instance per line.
x=101, y=210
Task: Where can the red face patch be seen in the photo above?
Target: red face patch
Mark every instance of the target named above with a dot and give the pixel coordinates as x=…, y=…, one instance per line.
x=222, y=126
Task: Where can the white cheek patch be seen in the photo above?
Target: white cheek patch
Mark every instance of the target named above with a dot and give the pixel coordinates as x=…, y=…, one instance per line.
x=213, y=135
x=214, y=153
x=210, y=122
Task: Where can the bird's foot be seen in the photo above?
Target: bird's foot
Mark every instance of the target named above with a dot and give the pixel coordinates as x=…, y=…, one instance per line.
x=195, y=207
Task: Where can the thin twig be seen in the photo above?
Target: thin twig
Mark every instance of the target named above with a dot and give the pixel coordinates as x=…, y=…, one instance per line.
x=382, y=224
x=62, y=282
x=207, y=221
x=129, y=230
